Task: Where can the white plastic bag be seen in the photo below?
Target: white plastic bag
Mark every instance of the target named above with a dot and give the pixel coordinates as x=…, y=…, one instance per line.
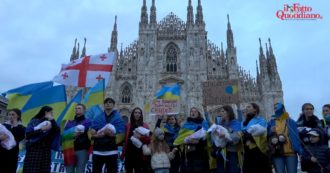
x=107, y=126
x=42, y=124
x=256, y=130
x=10, y=142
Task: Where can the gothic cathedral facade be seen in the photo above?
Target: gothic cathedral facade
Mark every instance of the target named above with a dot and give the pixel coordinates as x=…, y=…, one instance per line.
x=175, y=51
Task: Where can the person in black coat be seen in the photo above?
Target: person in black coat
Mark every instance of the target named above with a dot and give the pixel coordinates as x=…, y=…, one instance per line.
x=316, y=159
x=42, y=136
x=306, y=121
x=9, y=158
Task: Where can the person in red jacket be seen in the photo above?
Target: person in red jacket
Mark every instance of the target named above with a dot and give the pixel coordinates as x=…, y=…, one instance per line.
x=132, y=152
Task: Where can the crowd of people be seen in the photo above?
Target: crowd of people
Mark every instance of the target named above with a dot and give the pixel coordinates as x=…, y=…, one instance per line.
x=200, y=144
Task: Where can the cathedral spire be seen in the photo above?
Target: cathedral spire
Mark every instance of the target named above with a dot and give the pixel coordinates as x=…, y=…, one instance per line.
x=190, y=14
x=121, y=51
x=272, y=60
x=270, y=48
x=262, y=61
x=267, y=52
x=77, y=53
x=261, y=51
x=73, y=55
x=114, y=38
x=257, y=68
x=83, y=52
x=230, y=35
x=222, y=54
x=199, y=15
x=144, y=14
x=153, y=17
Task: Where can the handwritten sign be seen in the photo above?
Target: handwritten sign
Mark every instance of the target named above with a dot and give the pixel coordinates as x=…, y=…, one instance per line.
x=164, y=107
x=219, y=92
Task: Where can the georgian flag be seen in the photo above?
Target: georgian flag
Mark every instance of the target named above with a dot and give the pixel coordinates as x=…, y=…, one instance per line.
x=87, y=71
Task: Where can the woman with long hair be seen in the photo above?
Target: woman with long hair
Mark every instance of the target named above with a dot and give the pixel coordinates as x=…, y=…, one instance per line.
x=9, y=158
x=171, y=129
x=306, y=121
x=194, y=153
x=160, y=152
x=42, y=135
x=254, y=130
x=229, y=162
x=134, y=158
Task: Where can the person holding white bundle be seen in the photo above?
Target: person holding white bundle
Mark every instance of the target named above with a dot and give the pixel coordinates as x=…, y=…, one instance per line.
x=160, y=152
x=137, y=134
x=40, y=141
x=75, y=141
x=194, y=154
x=254, y=129
x=106, y=141
x=225, y=134
x=15, y=133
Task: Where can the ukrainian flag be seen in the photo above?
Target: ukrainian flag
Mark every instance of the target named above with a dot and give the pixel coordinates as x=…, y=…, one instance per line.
x=94, y=98
x=18, y=97
x=95, y=95
x=54, y=97
x=169, y=93
x=69, y=111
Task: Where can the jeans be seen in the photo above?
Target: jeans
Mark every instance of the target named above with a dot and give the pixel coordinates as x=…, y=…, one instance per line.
x=81, y=157
x=288, y=163
x=164, y=170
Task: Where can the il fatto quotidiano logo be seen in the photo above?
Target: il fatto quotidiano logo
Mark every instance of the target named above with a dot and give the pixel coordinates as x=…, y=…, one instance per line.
x=297, y=12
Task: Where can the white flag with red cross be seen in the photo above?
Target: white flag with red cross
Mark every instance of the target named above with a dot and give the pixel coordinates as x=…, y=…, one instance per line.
x=87, y=71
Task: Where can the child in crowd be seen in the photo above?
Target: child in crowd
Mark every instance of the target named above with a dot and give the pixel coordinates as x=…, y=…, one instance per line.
x=160, y=153
x=317, y=156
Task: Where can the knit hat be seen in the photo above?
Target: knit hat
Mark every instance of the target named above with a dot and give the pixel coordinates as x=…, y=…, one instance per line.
x=159, y=134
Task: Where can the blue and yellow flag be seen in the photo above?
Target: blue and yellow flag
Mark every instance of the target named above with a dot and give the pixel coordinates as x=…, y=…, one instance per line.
x=95, y=95
x=18, y=97
x=54, y=97
x=169, y=93
x=165, y=93
x=94, y=98
x=69, y=111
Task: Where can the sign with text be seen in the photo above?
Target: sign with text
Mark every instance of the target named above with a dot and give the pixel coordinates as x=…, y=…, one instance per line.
x=219, y=92
x=57, y=162
x=164, y=107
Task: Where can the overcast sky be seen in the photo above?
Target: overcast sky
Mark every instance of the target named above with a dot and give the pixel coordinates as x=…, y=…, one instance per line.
x=37, y=36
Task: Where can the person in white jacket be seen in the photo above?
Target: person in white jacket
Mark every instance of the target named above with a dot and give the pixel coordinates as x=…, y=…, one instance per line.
x=160, y=152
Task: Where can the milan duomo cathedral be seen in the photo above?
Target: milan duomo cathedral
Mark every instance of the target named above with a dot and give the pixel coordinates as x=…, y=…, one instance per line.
x=175, y=51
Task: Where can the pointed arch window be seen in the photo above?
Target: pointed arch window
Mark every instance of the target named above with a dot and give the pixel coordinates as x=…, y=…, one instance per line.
x=171, y=59
x=126, y=95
